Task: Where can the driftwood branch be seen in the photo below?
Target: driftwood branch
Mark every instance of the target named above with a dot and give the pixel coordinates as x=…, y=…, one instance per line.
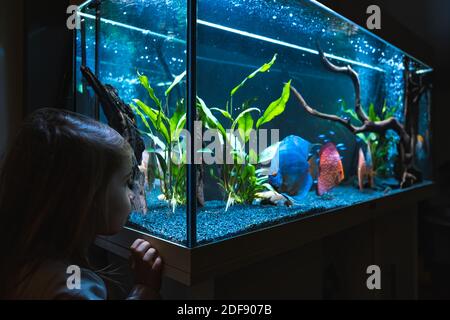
x=407, y=141
x=120, y=117
x=355, y=79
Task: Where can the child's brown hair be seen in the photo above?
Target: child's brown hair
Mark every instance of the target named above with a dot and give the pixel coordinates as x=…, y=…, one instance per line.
x=53, y=190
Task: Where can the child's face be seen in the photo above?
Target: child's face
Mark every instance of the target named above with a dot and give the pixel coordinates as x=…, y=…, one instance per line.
x=119, y=199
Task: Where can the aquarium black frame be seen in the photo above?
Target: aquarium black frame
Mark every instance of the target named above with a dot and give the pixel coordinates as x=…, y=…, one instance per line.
x=191, y=114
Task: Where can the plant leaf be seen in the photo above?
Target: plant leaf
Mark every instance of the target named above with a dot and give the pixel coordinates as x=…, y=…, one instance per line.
x=383, y=111
x=157, y=141
x=155, y=117
x=268, y=187
x=145, y=83
x=176, y=81
x=142, y=116
x=245, y=127
x=372, y=114
x=180, y=126
x=249, y=171
x=253, y=157
x=264, y=68
x=179, y=112
x=209, y=118
x=225, y=113
x=275, y=108
x=162, y=163
x=241, y=115
x=269, y=153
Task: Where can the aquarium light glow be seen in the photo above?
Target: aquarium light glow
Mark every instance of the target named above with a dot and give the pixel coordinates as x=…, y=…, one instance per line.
x=286, y=44
x=84, y=4
x=236, y=31
x=126, y=26
x=424, y=71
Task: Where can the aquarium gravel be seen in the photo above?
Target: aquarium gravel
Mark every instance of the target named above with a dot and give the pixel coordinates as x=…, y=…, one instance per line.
x=214, y=223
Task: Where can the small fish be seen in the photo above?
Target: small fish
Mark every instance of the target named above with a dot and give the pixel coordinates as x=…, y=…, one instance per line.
x=273, y=198
x=332, y=133
x=342, y=148
x=421, y=148
x=365, y=171
x=146, y=163
x=339, y=145
x=331, y=171
x=326, y=140
x=322, y=136
x=289, y=169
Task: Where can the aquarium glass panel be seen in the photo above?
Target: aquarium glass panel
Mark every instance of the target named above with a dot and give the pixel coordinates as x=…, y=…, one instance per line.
x=142, y=52
x=238, y=38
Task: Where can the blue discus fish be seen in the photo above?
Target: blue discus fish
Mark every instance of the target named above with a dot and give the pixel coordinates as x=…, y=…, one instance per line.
x=289, y=169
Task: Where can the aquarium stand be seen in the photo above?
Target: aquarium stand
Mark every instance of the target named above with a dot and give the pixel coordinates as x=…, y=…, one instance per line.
x=314, y=233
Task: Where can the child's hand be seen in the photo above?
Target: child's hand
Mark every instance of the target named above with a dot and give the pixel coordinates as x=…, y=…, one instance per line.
x=147, y=264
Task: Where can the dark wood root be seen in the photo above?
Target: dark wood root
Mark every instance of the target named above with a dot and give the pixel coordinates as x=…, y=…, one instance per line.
x=121, y=118
x=407, y=137
x=200, y=173
x=200, y=191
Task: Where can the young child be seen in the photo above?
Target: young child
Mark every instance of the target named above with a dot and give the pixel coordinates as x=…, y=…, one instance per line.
x=65, y=180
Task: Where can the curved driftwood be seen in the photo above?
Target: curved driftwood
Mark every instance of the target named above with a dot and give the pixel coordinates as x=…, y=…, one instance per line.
x=408, y=174
x=121, y=118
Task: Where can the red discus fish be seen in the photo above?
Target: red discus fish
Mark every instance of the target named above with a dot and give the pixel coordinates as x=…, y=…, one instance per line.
x=365, y=171
x=331, y=171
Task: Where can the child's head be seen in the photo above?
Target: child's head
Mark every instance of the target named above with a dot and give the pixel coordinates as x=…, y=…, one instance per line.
x=64, y=180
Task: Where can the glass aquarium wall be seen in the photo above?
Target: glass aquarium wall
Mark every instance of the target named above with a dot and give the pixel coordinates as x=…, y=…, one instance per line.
x=141, y=53
x=300, y=110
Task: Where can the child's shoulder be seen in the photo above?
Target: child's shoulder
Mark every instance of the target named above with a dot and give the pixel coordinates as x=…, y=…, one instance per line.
x=61, y=281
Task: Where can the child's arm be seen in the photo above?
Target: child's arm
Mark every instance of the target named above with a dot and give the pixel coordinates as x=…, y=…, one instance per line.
x=147, y=266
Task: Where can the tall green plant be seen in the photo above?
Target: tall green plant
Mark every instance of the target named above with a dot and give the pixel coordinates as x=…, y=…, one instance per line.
x=165, y=133
x=242, y=180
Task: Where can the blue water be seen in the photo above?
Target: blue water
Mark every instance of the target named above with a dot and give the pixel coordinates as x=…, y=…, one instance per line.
x=235, y=38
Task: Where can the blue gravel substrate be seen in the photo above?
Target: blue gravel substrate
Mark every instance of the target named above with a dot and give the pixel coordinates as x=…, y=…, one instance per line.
x=213, y=223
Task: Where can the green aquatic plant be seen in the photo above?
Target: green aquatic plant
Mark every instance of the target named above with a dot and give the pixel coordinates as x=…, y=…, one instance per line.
x=380, y=146
x=168, y=147
x=242, y=181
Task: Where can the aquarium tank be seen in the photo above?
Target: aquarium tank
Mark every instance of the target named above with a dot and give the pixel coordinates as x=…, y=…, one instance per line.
x=246, y=114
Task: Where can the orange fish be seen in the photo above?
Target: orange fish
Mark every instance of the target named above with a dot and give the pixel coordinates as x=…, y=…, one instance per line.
x=365, y=171
x=331, y=171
